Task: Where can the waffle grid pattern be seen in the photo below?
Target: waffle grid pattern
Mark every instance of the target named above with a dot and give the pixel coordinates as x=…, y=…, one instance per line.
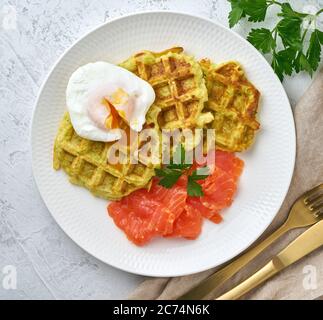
x=234, y=103
x=86, y=163
x=178, y=82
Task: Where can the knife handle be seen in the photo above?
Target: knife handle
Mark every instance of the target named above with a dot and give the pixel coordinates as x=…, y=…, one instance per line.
x=219, y=277
x=256, y=279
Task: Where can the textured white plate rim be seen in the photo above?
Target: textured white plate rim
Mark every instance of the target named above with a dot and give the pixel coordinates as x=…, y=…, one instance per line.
x=278, y=204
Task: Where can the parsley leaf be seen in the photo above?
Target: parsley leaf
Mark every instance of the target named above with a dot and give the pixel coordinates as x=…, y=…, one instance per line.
x=282, y=62
x=193, y=188
x=293, y=56
x=287, y=11
x=313, y=54
x=262, y=39
x=235, y=14
x=304, y=64
x=255, y=9
x=171, y=173
x=289, y=29
x=169, y=176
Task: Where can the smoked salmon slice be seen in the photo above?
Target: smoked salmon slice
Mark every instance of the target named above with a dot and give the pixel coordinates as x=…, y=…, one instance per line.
x=188, y=224
x=206, y=212
x=145, y=214
x=229, y=163
x=219, y=189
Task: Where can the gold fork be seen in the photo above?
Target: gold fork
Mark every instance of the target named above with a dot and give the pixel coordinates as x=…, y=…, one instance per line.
x=307, y=210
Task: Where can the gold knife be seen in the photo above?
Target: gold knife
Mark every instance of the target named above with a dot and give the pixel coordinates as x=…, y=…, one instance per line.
x=307, y=242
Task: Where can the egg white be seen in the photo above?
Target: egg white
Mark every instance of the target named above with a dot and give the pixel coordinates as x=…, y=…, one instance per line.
x=91, y=83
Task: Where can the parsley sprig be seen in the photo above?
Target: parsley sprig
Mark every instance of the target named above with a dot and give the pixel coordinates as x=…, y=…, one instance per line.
x=293, y=54
x=172, y=172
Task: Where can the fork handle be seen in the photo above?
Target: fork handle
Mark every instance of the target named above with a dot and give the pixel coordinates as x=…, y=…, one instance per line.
x=219, y=277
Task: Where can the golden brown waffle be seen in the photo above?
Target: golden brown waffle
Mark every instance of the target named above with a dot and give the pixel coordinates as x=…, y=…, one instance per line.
x=188, y=95
x=86, y=163
x=234, y=103
x=179, y=86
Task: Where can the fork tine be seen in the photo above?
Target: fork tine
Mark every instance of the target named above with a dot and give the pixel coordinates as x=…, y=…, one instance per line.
x=312, y=194
x=317, y=203
x=319, y=213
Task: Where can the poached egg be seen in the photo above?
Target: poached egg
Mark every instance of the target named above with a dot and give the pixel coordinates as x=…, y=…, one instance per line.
x=100, y=95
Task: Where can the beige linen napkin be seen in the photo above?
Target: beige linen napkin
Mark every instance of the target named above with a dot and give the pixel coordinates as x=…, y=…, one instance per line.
x=303, y=280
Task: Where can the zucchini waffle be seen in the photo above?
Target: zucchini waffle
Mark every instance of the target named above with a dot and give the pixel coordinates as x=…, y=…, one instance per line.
x=233, y=100
x=188, y=95
x=86, y=163
x=179, y=86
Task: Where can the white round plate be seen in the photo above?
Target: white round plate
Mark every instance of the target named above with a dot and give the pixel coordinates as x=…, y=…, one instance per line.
x=268, y=165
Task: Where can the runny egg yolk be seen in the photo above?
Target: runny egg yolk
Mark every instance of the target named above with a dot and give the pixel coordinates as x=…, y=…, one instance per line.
x=113, y=119
x=104, y=115
x=123, y=103
x=107, y=114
